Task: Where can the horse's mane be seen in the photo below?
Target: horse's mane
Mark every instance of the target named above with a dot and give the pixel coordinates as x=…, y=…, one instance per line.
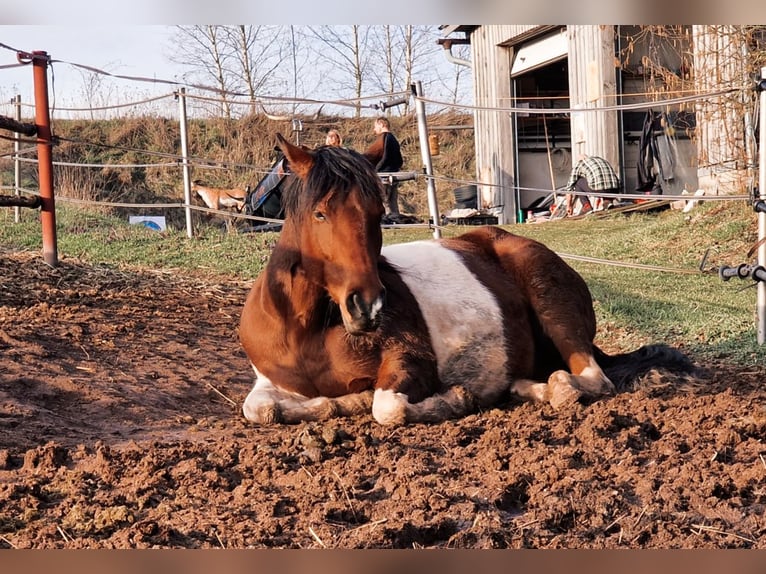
x=335, y=168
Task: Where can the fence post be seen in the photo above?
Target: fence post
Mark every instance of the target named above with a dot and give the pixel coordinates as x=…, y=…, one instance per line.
x=45, y=158
x=425, y=152
x=185, y=160
x=761, y=285
x=16, y=162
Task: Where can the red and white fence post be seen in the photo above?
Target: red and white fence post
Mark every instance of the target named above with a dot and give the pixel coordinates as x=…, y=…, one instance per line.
x=45, y=158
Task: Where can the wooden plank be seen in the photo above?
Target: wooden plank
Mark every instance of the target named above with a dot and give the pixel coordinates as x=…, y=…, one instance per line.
x=20, y=201
x=7, y=123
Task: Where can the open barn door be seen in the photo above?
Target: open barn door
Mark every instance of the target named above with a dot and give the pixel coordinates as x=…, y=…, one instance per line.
x=540, y=78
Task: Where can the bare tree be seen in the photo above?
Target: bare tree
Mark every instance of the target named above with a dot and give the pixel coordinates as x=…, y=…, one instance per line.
x=204, y=49
x=386, y=41
x=300, y=77
x=407, y=53
x=259, y=51
x=348, y=53
x=294, y=61
x=94, y=89
x=455, y=81
x=240, y=60
x=333, y=61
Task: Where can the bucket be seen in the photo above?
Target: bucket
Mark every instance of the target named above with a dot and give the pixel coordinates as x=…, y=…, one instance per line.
x=466, y=197
x=433, y=144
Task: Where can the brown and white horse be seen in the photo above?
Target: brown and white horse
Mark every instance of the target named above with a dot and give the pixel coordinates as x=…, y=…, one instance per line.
x=220, y=197
x=414, y=332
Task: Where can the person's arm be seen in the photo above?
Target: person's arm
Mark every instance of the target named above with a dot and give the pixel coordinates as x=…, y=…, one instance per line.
x=570, y=197
x=573, y=177
x=386, y=152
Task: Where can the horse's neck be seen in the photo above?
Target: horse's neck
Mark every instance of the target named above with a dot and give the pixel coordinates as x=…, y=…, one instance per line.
x=294, y=295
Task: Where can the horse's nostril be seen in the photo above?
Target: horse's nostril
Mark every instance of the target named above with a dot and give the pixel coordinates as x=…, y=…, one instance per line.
x=363, y=310
x=354, y=304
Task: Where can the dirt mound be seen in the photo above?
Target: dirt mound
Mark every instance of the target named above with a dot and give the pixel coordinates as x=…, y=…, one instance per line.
x=120, y=428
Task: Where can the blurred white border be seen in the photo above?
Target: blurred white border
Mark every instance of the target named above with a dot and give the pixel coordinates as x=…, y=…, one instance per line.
x=87, y=12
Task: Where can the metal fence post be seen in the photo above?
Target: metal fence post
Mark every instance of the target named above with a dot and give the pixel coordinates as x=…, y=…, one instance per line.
x=425, y=152
x=185, y=160
x=16, y=163
x=45, y=158
x=761, y=285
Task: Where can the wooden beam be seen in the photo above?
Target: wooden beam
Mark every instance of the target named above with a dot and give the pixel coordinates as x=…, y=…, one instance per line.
x=7, y=123
x=20, y=200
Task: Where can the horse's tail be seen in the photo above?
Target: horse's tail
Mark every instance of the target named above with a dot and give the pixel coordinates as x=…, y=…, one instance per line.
x=625, y=368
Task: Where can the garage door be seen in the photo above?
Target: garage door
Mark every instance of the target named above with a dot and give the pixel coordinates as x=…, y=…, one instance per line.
x=540, y=52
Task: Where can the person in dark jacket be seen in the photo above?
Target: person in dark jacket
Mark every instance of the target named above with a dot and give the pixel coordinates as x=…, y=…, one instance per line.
x=390, y=161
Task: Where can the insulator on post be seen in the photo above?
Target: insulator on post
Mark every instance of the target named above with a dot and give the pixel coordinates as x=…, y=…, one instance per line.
x=433, y=144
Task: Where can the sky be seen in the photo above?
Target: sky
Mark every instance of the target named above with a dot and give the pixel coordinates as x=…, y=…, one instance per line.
x=136, y=50
x=126, y=50
x=132, y=38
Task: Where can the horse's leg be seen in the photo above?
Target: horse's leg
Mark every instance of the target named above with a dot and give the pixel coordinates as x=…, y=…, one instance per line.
x=558, y=391
x=413, y=392
x=530, y=390
x=562, y=303
x=390, y=407
x=568, y=322
x=267, y=404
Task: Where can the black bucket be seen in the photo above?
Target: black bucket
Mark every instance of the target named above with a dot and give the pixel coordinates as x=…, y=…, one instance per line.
x=466, y=197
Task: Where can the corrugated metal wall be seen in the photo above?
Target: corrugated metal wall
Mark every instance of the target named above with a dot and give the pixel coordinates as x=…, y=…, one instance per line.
x=492, y=129
x=719, y=63
x=593, y=84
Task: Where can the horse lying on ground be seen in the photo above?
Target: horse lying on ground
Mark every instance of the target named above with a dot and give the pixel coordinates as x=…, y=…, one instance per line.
x=415, y=332
x=219, y=197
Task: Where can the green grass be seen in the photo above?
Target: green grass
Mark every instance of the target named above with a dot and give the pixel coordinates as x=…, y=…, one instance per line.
x=710, y=318
x=94, y=238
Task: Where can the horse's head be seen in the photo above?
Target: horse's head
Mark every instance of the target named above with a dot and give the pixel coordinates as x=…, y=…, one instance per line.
x=336, y=213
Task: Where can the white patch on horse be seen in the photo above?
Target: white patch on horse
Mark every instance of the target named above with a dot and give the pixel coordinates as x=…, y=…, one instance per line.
x=388, y=407
x=593, y=380
x=264, y=399
x=464, y=318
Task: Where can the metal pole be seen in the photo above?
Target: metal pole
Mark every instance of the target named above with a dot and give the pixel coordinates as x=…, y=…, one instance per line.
x=761, y=285
x=16, y=163
x=45, y=158
x=749, y=128
x=425, y=152
x=185, y=160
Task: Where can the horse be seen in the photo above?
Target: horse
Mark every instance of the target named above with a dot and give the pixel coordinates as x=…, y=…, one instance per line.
x=420, y=332
x=219, y=197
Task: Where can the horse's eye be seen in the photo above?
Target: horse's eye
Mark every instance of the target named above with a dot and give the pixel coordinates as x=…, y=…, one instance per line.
x=319, y=216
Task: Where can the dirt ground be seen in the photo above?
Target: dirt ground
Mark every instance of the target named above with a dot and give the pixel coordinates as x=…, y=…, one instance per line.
x=120, y=427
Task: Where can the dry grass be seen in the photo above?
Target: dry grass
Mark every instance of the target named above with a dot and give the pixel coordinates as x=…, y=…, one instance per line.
x=226, y=153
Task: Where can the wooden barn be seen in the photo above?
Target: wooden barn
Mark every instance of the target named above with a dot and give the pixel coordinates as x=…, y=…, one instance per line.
x=590, y=72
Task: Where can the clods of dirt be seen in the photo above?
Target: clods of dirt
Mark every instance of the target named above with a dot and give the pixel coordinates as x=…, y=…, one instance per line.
x=120, y=427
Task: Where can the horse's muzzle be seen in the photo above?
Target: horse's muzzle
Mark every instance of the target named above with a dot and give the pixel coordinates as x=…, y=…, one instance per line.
x=363, y=316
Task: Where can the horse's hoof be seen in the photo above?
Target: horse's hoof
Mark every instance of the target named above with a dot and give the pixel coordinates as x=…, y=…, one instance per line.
x=561, y=393
x=389, y=407
x=318, y=409
x=263, y=413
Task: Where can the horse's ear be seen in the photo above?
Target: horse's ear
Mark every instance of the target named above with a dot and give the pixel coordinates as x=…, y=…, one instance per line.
x=375, y=152
x=298, y=158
